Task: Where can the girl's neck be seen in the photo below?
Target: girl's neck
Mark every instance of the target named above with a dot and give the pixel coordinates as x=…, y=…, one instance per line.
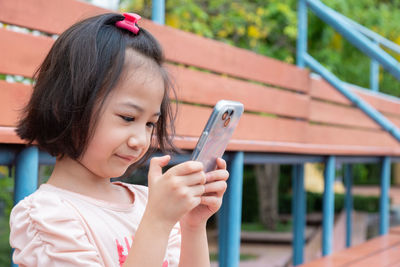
x=71, y=175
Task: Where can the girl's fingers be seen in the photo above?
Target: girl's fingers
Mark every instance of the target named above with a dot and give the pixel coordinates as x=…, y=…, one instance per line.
x=218, y=187
x=156, y=165
x=186, y=168
x=197, y=190
x=212, y=202
x=217, y=175
x=194, y=178
x=221, y=163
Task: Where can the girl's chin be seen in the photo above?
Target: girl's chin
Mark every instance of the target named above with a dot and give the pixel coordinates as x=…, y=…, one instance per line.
x=118, y=172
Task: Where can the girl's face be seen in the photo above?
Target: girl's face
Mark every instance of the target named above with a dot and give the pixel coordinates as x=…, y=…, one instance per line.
x=124, y=128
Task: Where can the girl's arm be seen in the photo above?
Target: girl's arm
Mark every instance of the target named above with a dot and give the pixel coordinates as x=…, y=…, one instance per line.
x=194, y=247
x=151, y=240
x=171, y=195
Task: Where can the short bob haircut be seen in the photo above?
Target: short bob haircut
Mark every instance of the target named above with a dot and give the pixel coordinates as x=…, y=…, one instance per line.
x=77, y=75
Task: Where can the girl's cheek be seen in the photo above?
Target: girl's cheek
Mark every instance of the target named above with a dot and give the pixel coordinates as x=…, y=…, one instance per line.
x=149, y=141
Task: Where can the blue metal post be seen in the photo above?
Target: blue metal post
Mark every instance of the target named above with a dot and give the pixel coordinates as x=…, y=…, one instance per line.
x=298, y=213
x=348, y=202
x=230, y=215
x=374, y=74
x=158, y=11
x=301, y=32
x=384, y=199
x=223, y=221
x=328, y=206
x=26, y=173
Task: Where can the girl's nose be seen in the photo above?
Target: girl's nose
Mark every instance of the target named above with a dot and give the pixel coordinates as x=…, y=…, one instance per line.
x=138, y=140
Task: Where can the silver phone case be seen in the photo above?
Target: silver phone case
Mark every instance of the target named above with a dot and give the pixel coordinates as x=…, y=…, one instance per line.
x=217, y=132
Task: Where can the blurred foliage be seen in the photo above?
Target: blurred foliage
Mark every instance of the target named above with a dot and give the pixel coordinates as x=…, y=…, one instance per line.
x=344, y=59
x=269, y=27
x=265, y=27
x=369, y=174
x=243, y=257
x=250, y=212
x=314, y=201
x=282, y=226
x=363, y=174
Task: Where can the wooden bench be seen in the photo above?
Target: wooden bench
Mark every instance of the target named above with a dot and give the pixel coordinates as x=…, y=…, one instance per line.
x=379, y=251
x=286, y=110
x=290, y=116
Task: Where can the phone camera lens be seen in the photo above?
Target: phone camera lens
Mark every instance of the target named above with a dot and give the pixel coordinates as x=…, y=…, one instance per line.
x=226, y=123
x=225, y=115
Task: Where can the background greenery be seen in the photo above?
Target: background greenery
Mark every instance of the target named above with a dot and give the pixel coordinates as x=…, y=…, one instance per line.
x=269, y=27
x=368, y=175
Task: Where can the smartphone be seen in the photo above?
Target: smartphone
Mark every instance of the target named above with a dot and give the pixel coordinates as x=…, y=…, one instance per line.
x=217, y=132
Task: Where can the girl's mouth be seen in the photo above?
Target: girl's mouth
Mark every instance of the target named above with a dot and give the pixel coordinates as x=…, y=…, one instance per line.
x=127, y=158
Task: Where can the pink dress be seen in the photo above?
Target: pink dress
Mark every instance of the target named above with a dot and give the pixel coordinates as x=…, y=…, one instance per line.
x=56, y=227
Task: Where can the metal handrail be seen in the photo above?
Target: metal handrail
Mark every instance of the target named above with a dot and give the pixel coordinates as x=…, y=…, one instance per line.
x=376, y=38
x=356, y=100
x=358, y=40
x=367, y=46
x=371, y=34
x=359, y=37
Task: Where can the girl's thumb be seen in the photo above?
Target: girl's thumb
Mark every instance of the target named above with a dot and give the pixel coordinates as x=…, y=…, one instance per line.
x=156, y=165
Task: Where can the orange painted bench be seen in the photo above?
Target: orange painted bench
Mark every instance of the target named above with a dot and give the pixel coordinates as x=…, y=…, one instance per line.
x=288, y=112
x=379, y=251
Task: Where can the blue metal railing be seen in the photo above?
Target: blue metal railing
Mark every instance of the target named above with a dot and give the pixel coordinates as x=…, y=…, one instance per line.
x=378, y=40
x=158, y=11
x=348, y=180
x=370, y=48
x=357, y=35
x=298, y=211
x=356, y=100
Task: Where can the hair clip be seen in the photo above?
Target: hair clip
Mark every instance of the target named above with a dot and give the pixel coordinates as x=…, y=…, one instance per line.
x=129, y=23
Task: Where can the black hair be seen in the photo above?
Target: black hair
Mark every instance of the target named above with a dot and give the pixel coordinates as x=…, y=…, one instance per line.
x=75, y=78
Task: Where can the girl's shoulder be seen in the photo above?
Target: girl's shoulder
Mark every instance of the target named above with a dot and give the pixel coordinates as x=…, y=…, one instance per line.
x=140, y=192
x=42, y=205
x=52, y=204
x=45, y=224
x=138, y=189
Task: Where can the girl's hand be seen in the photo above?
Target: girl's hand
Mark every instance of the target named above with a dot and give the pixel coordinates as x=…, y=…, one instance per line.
x=211, y=201
x=174, y=193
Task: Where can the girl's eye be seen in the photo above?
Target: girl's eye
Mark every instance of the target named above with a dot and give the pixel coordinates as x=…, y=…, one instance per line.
x=127, y=119
x=151, y=124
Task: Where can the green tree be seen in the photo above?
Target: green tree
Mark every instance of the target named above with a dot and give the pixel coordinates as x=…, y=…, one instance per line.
x=342, y=58
x=269, y=27
x=265, y=27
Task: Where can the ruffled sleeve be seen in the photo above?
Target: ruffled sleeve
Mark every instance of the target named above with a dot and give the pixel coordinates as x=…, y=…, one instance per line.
x=46, y=231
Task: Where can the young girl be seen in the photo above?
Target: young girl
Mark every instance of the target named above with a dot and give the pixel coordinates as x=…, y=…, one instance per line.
x=100, y=105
